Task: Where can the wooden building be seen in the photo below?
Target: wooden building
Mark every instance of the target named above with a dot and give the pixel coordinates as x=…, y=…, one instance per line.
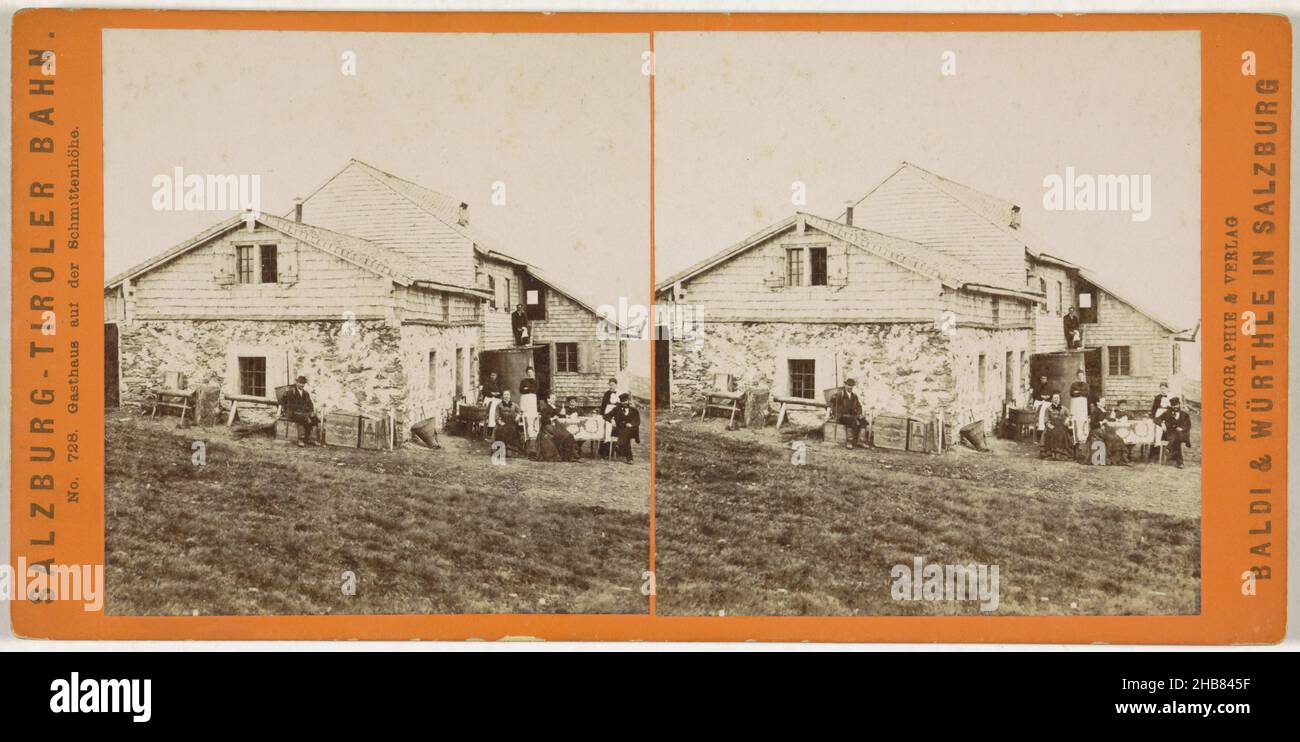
x=375, y=288
x=928, y=292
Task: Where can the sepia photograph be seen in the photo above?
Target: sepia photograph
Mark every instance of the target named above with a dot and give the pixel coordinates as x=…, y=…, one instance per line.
x=928, y=313
x=362, y=344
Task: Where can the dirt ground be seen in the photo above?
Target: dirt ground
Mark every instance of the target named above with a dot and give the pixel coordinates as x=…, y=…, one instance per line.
x=264, y=527
x=739, y=530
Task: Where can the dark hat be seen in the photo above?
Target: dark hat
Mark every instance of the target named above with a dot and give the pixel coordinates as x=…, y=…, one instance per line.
x=849, y=382
x=1175, y=401
x=624, y=397
x=302, y=379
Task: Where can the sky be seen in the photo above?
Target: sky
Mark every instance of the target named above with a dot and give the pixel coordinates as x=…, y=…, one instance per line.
x=740, y=117
x=563, y=121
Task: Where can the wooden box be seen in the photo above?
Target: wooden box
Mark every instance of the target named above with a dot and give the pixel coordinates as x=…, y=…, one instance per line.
x=889, y=431
x=833, y=432
x=342, y=429
x=375, y=433
x=917, y=436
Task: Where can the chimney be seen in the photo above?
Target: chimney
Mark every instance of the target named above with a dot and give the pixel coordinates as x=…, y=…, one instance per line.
x=1015, y=217
x=462, y=217
x=297, y=210
x=848, y=214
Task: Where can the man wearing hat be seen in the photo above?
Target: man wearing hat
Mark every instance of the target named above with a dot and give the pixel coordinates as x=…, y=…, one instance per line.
x=846, y=409
x=1178, y=431
x=299, y=409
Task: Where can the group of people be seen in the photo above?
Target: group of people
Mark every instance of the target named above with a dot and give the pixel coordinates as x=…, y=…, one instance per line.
x=1062, y=428
x=508, y=422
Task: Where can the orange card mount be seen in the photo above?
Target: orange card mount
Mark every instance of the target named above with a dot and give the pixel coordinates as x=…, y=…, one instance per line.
x=99, y=554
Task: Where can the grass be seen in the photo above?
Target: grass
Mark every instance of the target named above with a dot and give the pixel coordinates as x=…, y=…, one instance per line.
x=267, y=528
x=742, y=531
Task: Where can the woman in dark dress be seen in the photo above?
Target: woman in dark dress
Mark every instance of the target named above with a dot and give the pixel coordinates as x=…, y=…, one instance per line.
x=1056, y=431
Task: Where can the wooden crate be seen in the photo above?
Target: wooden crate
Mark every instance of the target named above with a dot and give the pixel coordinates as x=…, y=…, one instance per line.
x=342, y=429
x=918, y=438
x=375, y=433
x=889, y=431
x=833, y=432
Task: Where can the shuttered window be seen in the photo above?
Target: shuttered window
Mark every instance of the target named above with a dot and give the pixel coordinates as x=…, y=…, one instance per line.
x=1119, y=360
x=246, y=256
x=817, y=266
x=270, y=264
x=492, y=287
x=794, y=267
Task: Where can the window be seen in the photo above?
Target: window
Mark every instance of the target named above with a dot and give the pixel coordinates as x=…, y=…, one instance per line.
x=1042, y=286
x=433, y=372
x=803, y=377
x=245, y=259
x=622, y=355
x=566, y=357
x=1118, y=360
x=983, y=373
x=252, y=375
x=509, y=298
x=460, y=372
x=1060, y=298
x=270, y=274
x=535, y=300
x=1176, y=361
x=997, y=310
x=794, y=267
x=817, y=266
x=492, y=287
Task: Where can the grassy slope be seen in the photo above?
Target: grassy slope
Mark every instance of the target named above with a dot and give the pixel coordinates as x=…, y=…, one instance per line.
x=270, y=528
x=738, y=528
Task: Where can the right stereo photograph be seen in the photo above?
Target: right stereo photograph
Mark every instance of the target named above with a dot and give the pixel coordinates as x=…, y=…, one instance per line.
x=930, y=317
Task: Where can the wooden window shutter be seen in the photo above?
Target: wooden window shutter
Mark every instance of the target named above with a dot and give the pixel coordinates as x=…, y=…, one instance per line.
x=225, y=263
x=837, y=265
x=287, y=263
x=590, y=361
x=776, y=270
x=1141, y=360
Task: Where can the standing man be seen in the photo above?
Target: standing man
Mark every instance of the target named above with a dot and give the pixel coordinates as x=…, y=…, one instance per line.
x=846, y=409
x=1178, y=431
x=1073, y=336
x=299, y=409
x=627, y=424
x=1159, y=409
x=519, y=323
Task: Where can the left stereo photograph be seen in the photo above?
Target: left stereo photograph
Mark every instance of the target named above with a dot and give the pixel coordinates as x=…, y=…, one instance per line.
x=367, y=343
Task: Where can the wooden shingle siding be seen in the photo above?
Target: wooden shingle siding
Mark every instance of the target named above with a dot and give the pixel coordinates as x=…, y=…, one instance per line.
x=325, y=286
x=355, y=203
x=875, y=289
x=496, y=322
x=1151, y=350
x=416, y=304
x=907, y=206
x=569, y=322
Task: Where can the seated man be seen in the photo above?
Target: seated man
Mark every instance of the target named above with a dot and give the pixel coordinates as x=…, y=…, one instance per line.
x=507, y=424
x=846, y=409
x=626, y=421
x=299, y=409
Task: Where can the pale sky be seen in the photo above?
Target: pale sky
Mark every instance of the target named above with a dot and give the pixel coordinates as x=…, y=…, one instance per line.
x=562, y=120
x=740, y=116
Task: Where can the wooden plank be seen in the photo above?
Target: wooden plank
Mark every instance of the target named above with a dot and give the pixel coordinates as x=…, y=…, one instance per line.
x=889, y=431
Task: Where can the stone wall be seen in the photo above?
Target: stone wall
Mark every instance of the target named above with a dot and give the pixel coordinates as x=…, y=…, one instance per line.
x=354, y=367
x=902, y=369
x=435, y=398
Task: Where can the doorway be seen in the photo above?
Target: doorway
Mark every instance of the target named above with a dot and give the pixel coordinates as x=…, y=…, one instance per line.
x=112, y=389
x=542, y=367
x=663, y=367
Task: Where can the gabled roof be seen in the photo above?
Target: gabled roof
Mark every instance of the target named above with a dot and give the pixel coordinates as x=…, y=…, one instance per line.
x=995, y=223
x=448, y=210
x=951, y=272
x=363, y=253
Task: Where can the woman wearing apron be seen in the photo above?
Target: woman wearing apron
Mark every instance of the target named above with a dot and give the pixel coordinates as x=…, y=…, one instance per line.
x=1079, y=393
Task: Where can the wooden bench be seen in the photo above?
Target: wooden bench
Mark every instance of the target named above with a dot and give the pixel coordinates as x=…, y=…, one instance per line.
x=722, y=398
x=796, y=402
x=248, y=400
